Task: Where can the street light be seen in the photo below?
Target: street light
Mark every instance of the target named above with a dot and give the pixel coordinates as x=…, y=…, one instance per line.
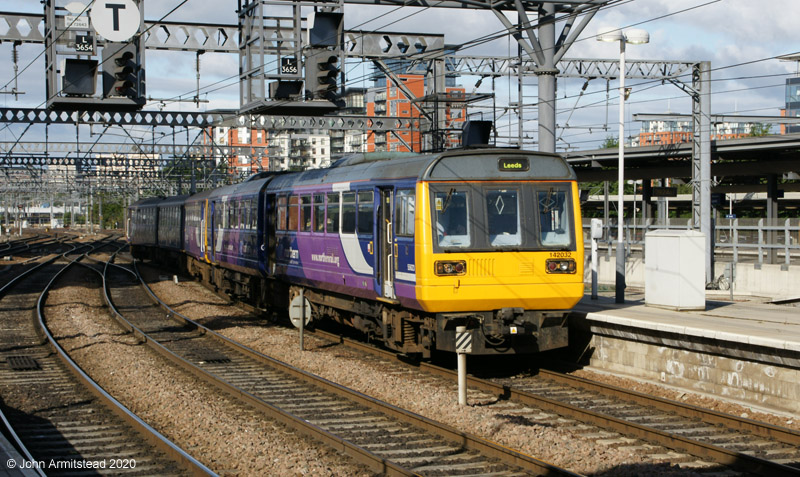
x=634, y=37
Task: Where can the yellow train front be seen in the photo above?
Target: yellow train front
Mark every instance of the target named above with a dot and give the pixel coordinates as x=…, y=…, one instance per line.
x=499, y=250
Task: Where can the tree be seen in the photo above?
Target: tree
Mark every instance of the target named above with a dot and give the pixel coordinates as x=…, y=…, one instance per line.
x=610, y=142
x=760, y=129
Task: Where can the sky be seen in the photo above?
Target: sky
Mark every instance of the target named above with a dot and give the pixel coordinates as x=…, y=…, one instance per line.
x=741, y=39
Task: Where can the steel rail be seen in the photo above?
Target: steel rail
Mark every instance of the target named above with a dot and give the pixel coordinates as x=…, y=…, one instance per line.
x=3, y=290
x=468, y=441
x=27, y=246
x=13, y=243
x=376, y=463
x=666, y=439
x=151, y=435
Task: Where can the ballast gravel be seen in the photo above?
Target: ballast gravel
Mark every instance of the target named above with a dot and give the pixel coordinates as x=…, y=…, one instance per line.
x=216, y=431
x=206, y=424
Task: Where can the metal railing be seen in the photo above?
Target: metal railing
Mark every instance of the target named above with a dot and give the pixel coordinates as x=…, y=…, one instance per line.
x=753, y=240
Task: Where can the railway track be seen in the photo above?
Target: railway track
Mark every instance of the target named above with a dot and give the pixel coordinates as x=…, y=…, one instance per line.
x=60, y=419
x=28, y=244
x=746, y=445
x=386, y=438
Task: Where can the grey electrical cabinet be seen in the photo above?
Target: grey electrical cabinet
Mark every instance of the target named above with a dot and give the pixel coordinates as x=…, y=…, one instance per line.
x=674, y=270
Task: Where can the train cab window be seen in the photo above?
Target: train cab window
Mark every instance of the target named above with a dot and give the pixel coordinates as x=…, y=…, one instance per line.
x=452, y=218
x=404, y=208
x=349, y=213
x=282, y=212
x=305, y=213
x=332, y=224
x=319, y=213
x=554, y=217
x=293, y=212
x=366, y=209
x=502, y=212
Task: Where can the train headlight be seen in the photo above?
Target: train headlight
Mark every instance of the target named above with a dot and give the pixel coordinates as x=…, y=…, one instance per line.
x=560, y=265
x=456, y=267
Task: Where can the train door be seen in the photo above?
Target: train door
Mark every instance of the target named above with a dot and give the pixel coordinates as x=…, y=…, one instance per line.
x=268, y=222
x=384, y=238
x=202, y=239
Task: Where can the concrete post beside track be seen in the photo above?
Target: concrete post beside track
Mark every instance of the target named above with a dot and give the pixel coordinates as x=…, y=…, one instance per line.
x=462, y=371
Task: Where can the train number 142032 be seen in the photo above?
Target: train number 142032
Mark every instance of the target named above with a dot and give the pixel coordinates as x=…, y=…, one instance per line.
x=560, y=254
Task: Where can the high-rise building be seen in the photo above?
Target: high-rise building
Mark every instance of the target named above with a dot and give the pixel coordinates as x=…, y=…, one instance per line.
x=241, y=163
x=391, y=100
x=792, y=104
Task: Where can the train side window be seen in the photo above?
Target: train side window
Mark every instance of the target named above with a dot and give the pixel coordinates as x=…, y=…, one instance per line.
x=293, y=212
x=282, y=212
x=233, y=214
x=253, y=214
x=319, y=213
x=349, y=213
x=404, y=208
x=554, y=217
x=218, y=214
x=305, y=213
x=236, y=216
x=250, y=212
x=332, y=225
x=366, y=209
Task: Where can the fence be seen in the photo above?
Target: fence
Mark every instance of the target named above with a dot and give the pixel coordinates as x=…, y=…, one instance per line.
x=758, y=240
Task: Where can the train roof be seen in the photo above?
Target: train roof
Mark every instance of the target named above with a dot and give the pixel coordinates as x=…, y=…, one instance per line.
x=145, y=203
x=470, y=164
x=174, y=200
x=250, y=187
x=200, y=196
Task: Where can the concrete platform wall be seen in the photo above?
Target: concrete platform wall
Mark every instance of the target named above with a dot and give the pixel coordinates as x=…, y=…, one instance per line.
x=749, y=382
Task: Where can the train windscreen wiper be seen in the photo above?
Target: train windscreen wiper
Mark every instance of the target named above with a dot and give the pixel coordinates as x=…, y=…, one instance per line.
x=447, y=199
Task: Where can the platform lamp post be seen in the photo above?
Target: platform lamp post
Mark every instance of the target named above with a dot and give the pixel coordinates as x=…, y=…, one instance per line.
x=633, y=36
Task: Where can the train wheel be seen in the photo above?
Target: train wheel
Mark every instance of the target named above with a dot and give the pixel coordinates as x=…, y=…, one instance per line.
x=296, y=310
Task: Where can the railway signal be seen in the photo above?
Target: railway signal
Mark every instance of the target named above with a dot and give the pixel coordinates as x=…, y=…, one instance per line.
x=322, y=72
x=123, y=75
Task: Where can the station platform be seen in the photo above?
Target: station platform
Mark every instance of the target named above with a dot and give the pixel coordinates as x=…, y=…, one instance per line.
x=746, y=349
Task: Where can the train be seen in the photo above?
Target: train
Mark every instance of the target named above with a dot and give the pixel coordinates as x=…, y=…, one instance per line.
x=404, y=247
